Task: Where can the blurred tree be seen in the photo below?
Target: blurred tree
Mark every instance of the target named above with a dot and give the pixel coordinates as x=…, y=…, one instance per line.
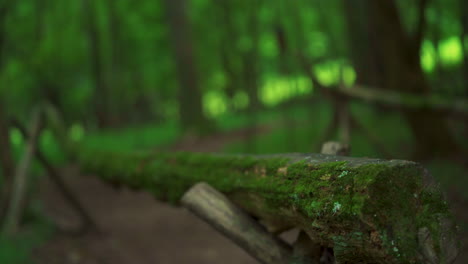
x=464, y=42
x=393, y=62
x=250, y=53
x=102, y=94
x=118, y=62
x=116, y=65
x=190, y=97
x=228, y=49
x=6, y=160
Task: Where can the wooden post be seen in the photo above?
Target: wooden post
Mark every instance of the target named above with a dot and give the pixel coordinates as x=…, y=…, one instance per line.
x=213, y=207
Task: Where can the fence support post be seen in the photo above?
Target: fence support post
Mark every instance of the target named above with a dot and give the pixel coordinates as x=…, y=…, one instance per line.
x=216, y=209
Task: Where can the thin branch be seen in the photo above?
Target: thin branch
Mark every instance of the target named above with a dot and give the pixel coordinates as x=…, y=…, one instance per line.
x=451, y=107
x=403, y=101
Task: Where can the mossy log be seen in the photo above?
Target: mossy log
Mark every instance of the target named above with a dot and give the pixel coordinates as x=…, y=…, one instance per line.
x=367, y=210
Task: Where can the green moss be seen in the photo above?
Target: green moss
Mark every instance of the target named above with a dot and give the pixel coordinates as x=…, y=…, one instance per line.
x=383, y=198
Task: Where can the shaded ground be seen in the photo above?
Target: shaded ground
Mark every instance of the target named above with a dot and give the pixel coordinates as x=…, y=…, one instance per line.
x=138, y=229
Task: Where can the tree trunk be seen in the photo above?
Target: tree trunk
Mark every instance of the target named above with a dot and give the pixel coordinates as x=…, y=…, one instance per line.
x=119, y=112
x=6, y=160
x=228, y=48
x=464, y=36
x=396, y=66
x=101, y=89
x=190, y=103
x=360, y=51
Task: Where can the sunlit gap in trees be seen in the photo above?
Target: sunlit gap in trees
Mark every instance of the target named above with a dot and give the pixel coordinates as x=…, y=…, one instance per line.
x=276, y=90
x=449, y=53
x=273, y=91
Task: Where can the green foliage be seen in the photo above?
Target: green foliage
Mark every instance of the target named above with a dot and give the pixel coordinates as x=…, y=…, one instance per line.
x=45, y=59
x=46, y=56
x=135, y=138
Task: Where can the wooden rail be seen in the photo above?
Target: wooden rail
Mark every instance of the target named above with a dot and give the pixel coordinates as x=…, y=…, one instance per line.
x=367, y=210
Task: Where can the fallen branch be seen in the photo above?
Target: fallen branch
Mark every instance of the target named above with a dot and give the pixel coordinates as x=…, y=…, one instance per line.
x=406, y=101
x=453, y=107
x=67, y=193
x=213, y=207
x=20, y=181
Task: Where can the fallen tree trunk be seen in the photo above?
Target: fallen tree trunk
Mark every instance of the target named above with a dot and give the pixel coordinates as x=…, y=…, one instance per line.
x=367, y=210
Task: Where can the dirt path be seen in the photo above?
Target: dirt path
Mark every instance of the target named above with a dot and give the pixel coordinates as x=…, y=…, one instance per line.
x=136, y=228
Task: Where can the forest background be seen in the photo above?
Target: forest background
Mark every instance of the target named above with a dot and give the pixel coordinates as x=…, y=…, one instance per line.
x=387, y=77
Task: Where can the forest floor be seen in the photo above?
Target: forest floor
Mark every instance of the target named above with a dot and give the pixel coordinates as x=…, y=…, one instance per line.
x=135, y=228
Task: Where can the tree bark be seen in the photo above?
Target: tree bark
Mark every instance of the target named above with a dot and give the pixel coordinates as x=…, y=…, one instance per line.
x=190, y=96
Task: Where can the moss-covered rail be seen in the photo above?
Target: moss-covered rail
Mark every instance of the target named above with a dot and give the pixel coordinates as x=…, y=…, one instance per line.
x=367, y=210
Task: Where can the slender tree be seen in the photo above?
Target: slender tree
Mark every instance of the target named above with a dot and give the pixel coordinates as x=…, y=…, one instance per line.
x=464, y=38
x=101, y=89
x=6, y=160
x=189, y=93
